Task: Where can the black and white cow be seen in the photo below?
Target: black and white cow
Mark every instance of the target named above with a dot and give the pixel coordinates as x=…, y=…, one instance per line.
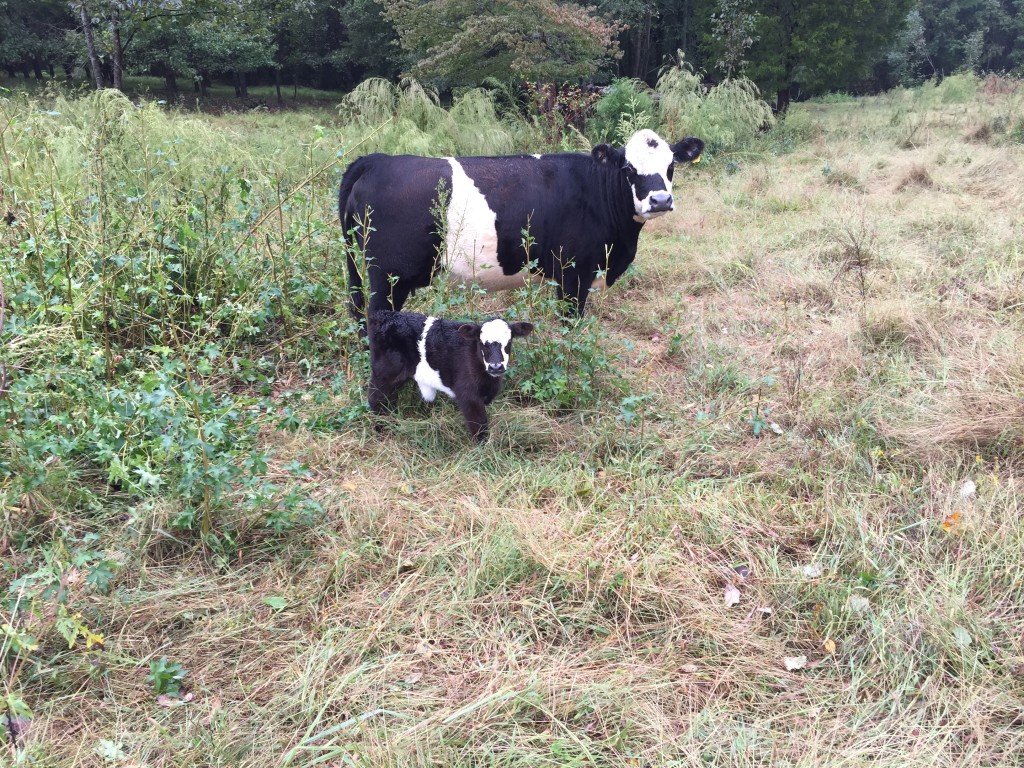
x=466, y=361
x=579, y=214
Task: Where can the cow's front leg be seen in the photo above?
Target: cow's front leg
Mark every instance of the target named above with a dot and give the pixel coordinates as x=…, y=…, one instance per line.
x=475, y=415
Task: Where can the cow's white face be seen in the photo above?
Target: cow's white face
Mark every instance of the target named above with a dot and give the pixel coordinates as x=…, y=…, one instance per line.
x=647, y=162
x=648, y=169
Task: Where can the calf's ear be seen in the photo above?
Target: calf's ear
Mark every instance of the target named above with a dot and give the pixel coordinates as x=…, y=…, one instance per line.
x=469, y=331
x=687, y=150
x=606, y=154
x=521, y=329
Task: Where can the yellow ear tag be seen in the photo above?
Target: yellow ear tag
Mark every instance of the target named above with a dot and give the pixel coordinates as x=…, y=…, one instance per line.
x=695, y=160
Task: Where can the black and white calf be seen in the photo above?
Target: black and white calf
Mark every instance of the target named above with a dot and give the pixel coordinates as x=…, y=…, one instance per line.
x=582, y=215
x=466, y=361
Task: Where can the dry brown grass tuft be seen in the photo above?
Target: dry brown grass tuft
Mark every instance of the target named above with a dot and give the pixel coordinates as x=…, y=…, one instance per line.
x=917, y=176
x=980, y=134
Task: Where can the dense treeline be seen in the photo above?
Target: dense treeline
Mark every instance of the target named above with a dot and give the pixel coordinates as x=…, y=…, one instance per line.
x=787, y=47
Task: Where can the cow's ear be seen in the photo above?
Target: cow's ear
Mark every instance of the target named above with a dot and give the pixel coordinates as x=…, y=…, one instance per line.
x=687, y=150
x=470, y=331
x=521, y=329
x=606, y=154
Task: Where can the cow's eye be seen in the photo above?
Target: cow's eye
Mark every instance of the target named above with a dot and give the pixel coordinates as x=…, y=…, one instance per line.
x=629, y=170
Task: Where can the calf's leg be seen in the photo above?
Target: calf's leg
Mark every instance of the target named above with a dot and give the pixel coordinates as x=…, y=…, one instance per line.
x=475, y=415
x=387, y=374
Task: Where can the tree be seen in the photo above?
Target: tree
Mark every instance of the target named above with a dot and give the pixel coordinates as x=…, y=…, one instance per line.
x=820, y=44
x=90, y=44
x=464, y=42
x=980, y=35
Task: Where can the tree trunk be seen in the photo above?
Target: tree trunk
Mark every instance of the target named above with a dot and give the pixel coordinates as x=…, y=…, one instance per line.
x=90, y=45
x=117, y=54
x=277, y=84
x=782, y=100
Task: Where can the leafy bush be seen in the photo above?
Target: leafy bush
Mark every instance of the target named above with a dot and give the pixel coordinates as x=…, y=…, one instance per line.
x=409, y=119
x=958, y=89
x=795, y=127
x=626, y=107
x=726, y=117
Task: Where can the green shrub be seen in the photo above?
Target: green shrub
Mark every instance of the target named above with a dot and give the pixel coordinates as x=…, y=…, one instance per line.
x=726, y=117
x=958, y=89
x=626, y=107
x=409, y=119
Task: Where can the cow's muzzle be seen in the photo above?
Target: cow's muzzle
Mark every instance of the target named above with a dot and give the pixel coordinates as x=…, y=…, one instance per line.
x=660, y=202
x=497, y=370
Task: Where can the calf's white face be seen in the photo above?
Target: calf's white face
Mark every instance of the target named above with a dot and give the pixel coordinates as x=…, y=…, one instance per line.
x=495, y=342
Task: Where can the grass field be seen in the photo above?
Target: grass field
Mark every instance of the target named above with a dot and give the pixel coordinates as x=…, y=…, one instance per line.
x=768, y=511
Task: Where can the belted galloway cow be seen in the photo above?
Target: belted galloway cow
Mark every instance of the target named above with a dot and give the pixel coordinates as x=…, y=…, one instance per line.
x=571, y=218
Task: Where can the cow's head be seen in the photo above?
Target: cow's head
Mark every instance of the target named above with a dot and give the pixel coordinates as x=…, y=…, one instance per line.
x=493, y=342
x=647, y=161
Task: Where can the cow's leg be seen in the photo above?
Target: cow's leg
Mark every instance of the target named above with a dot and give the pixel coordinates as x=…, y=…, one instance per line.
x=475, y=415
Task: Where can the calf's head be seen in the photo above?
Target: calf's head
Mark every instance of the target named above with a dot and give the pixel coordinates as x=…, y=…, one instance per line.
x=493, y=342
x=647, y=162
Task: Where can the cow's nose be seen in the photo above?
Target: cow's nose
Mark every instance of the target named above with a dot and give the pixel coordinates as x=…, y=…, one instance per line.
x=661, y=201
x=495, y=369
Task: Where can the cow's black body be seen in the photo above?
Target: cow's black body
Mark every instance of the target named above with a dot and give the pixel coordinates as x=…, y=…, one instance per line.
x=576, y=211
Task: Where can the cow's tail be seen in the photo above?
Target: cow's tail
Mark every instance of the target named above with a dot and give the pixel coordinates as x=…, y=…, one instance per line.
x=353, y=245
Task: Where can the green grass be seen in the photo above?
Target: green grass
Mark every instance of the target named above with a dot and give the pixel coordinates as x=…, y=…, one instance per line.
x=186, y=469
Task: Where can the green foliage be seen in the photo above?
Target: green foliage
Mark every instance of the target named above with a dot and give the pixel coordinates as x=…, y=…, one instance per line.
x=626, y=107
x=814, y=44
x=726, y=117
x=409, y=119
x=166, y=676
x=458, y=43
x=957, y=89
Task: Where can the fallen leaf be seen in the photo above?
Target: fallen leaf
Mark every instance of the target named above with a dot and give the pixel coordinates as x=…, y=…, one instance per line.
x=830, y=646
x=348, y=485
x=215, y=707
x=774, y=427
x=732, y=595
x=169, y=702
x=275, y=602
x=951, y=522
x=812, y=571
x=794, y=662
x=968, y=489
x=414, y=678
x=688, y=668
x=962, y=636
x=859, y=604
x=423, y=648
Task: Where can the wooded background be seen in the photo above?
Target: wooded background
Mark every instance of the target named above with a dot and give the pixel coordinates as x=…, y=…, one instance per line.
x=789, y=48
